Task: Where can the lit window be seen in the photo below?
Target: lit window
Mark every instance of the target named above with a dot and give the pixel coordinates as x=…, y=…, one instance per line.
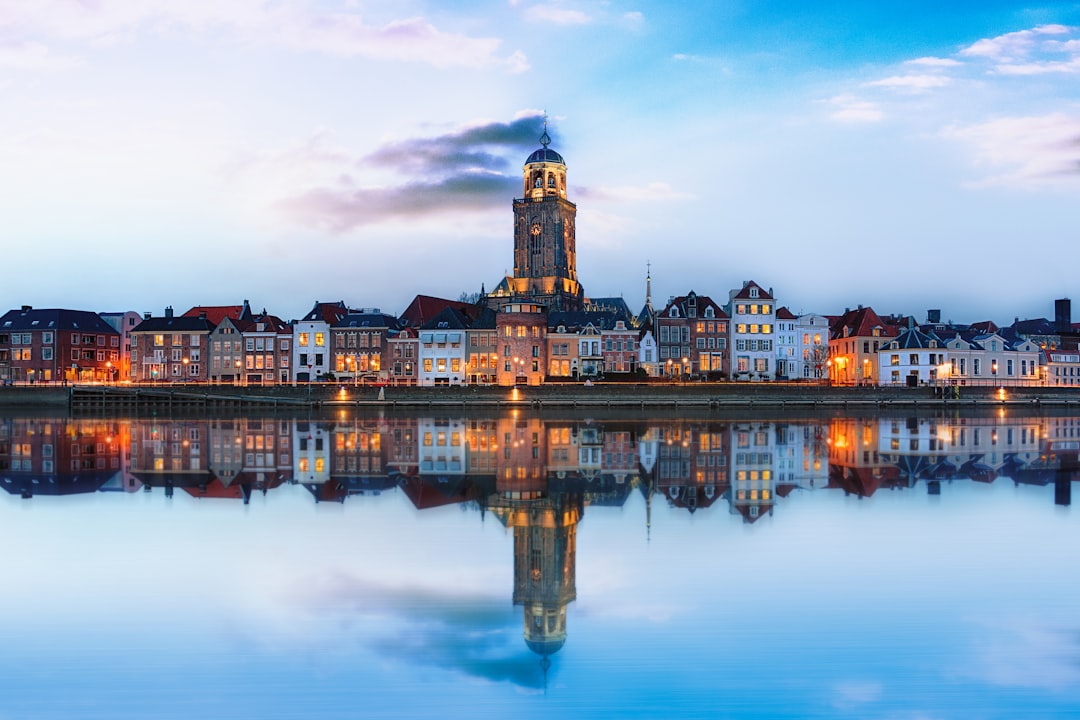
x=303, y=339
x=320, y=339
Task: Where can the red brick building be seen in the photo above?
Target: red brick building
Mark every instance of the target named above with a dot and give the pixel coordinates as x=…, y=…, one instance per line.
x=56, y=345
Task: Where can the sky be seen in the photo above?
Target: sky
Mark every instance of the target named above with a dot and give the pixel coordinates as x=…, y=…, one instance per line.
x=905, y=156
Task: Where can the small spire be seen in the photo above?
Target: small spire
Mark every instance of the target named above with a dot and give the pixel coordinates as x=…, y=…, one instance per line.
x=648, y=286
x=545, y=139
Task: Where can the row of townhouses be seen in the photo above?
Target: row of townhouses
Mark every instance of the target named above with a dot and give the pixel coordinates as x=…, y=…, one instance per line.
x=436, y=341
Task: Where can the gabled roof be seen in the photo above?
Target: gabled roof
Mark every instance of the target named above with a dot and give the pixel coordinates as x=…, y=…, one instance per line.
x=424, y=308
x=327, y=312
x=576, y=320
x=698, y=302
x=217, y=313
x=54, y=319
x=271, y=323
x=172, y=324
x=744, y=292
x=449, y=318
x=861, y=322
x=615, y=305
x=367, y=320
x=915, y=339
x=785, y=314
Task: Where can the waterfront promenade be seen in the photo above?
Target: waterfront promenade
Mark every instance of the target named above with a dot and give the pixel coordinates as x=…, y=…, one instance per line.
x=615, y=395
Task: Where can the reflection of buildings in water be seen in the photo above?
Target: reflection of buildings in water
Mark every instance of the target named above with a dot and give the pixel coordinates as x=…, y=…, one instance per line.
x=212, y=458
x=60, y=457
x=753, y=449
x=871, y=453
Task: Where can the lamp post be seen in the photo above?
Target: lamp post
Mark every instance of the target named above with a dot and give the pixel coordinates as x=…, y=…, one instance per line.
x=185, y=371
x=236, y=380
x=108, y=372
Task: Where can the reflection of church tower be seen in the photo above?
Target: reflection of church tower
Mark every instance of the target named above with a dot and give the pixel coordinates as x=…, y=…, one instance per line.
x=545, y=547
x=545, y=249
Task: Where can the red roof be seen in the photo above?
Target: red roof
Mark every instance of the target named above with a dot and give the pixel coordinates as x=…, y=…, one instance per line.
x=861, y=322
x=216, y=313
x=744, y=294
x=785, y=314
x=424, y=308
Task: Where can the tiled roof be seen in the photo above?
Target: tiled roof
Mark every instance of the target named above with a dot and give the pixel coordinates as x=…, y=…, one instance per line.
x=785, y=314
x=701, y=302
x=449, y=318
x=217, y=313
x=744, y=292
x=367, y=320
x=861, y=322
x=328, y=312
x=55, y=319
x=424, y=308
x=175, y=324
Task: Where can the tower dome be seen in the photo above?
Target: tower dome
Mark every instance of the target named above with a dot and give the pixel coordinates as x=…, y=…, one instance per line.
x=545, y=171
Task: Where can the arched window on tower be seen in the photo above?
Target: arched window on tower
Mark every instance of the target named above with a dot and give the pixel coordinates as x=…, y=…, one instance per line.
x=551, y=180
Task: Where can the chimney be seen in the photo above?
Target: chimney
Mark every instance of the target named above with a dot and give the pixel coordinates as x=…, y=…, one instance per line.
x=26, y=309
x=1063, y=315
x=146, y=316
x=168, y=311
x=933, y=316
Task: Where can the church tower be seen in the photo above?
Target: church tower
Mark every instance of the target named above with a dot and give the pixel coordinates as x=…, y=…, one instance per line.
x=545, y=249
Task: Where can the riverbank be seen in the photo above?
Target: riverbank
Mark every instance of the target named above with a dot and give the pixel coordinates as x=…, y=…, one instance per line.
x=97, y=398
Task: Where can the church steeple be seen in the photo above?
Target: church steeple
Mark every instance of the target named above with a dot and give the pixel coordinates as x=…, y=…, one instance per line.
x=545, y=247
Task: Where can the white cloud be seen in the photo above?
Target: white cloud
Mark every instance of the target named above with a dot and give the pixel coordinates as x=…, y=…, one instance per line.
x=33, y=56
x=633, y=19
x=1014, y=44
x=934, y=62
x=297, y=24
x=654, y=192
x=1028, y=653
x=849, y=694
x=556, y=15
x=850, y=109
x=911, y=83
x=1024, y=151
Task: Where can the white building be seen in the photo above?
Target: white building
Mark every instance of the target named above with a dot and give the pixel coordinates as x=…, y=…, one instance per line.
x=752, y=310
x=911, y=358
x=811, y=347
x=311, y=341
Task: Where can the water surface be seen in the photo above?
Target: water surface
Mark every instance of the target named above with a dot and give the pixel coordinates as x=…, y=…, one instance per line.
x=404, y=566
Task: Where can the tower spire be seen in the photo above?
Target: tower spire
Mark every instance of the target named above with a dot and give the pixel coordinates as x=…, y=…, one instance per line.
x=648, y=286
x=545, y=139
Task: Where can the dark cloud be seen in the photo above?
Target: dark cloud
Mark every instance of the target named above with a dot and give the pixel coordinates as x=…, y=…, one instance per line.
x=471, y=169
x=478, y=635
x=493, y=147
x=340, y=209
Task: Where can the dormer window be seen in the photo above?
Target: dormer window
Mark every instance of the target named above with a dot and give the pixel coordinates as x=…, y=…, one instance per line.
x=709, y=312
x=753, y=292
x=674, y=312
x=876, y=332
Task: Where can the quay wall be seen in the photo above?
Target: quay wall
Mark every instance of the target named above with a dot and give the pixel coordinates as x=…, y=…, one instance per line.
x=629, y=395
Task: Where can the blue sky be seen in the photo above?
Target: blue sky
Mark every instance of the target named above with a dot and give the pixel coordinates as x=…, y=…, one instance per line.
x=903, y=155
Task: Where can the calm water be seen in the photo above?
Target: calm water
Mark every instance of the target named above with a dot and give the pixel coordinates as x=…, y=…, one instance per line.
x=894, y=568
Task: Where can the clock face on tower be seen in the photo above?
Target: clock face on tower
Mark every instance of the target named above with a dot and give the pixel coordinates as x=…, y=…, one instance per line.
x=535, y=229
